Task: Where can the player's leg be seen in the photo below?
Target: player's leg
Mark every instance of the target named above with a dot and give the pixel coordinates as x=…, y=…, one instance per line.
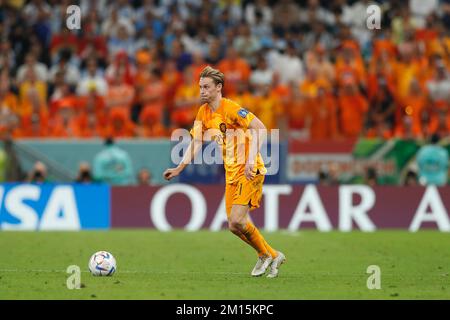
x=278, y=258
x=238, y=222
x=272, y=252
x=229, y=194
x=254, y=190
x=250, y=192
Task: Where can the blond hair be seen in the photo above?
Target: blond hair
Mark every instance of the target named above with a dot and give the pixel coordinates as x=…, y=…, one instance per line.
x=214, y=74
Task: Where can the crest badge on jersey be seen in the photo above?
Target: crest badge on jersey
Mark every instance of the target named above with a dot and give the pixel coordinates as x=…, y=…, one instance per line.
x=243, y=112
x=223, y=127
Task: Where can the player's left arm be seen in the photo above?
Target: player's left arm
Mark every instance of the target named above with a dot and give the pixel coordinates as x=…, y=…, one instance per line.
x=258, y=132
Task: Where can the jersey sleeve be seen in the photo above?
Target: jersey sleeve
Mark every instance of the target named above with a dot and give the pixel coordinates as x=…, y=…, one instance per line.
x=241, y=116
x=198, y=127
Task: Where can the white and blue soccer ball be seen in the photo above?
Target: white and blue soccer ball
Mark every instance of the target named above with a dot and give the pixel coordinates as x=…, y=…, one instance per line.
x=102, y=263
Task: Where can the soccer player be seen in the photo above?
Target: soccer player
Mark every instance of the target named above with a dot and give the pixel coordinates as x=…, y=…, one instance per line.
x=244, y=167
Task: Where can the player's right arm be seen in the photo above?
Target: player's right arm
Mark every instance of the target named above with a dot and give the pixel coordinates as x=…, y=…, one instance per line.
x=193, y=148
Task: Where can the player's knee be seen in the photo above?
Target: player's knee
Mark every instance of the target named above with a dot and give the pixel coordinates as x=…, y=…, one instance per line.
x=235, y=226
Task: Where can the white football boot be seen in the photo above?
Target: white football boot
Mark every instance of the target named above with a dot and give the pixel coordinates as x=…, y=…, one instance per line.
x=276, y=263
x=261, y=265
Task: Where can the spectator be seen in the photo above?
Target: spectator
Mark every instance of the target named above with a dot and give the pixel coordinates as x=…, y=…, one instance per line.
x=236, y=69
x=371, y=177
x=186, y=100
x=286, y=15
x=262, y=75
x=422, y=9
x=113, y=165
x=260, y=27
x=411, y=179
x=114, y=22
x=92, y=80
x=433, y=163
x=119, y=94
x=144, y=177
x=71, y=74
x=267, y=107
x=323, y=178
x=323, y=113
x=246, y=44
x=316, y=12
x=414, y=105
x=288, y=65
x=120, y=67
x=299, y=113
x=439, y=86
x=64, y=44
x=258, y=8
x=119, y=124
x=38, y=68
x=84, y=174
x=381, y=114
x=122, y=42
x=353, y=107
x=8, y=100
x=38, y=174
x=154, y=94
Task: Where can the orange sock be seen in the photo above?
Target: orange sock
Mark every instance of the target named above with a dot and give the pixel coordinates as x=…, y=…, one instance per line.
x=244, y=238
x=272, y=252
x=256, y=239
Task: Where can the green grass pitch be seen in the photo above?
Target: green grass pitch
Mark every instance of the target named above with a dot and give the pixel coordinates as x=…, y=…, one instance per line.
x=217, y=265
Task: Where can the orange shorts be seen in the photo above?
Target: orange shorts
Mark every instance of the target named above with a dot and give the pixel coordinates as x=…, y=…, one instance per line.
x=244, y=192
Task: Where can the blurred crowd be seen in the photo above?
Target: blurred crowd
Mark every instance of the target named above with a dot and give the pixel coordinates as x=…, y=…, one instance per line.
x=311, y=68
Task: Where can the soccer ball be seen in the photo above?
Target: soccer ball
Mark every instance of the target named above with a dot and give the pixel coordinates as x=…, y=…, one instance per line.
x=102, y=263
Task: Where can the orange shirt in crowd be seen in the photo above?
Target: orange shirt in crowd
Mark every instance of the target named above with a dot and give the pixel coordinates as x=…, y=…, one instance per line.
x=282, y=92
x=87, y=126
x=298, y=111
x=33, y=125
x=268, y=109
x=323, y=111
x=440, y=123
x=63, y=126
x=413, y=106
x=120, y=95
x=373, y=83
x=119, y=124
x=63, y=102
x=32, y=94
x=153, y=96
x=94, y=104
x=310, y=87
x=9, y=101
x=235, y=70
x=350, y=72
x=383, y=46
x=150, y=127
x=406, y=72
x=353, y=108
x=350, y=67
x=404, y=129
x=316, y=60
x=186, y=100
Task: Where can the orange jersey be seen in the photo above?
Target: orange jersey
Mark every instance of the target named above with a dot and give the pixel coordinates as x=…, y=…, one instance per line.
x=227, y=120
